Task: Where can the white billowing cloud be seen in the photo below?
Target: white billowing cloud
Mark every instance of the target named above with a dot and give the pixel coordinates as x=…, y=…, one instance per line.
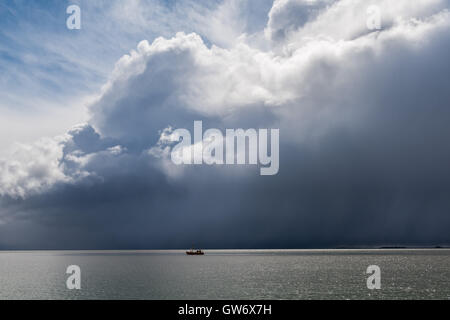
x=297, y=21
x=178, y=75
x=159, y=83
x=33, y=168
x=171, y=82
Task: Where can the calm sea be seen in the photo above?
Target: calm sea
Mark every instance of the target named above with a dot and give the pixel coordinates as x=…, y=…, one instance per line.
x=227, y=274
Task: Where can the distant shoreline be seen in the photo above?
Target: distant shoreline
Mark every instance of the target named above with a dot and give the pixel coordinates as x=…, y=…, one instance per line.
x=243, y=249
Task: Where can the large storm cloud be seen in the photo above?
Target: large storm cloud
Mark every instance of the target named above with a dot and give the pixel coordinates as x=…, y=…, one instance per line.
x=364, y=153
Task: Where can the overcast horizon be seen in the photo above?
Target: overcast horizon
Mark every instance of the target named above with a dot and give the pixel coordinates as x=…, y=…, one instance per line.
x=88, y=118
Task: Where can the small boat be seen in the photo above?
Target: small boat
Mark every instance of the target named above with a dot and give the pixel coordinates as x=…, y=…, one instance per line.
x=193, y=252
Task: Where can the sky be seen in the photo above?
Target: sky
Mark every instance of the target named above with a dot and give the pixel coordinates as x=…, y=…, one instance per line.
x=362, y=113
